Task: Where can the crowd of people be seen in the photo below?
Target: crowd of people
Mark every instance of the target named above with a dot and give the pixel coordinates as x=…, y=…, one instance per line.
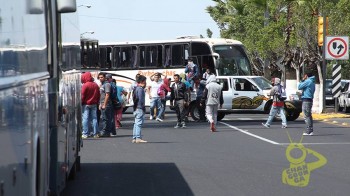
x=98, y=100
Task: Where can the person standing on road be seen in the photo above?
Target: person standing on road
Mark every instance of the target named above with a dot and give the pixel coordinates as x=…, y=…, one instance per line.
x=118, y=113
x=106, y=106
x=131, y=89
x=90, y=96
x=307, y=85
x=179, y=99
x=277, y=104
x=155, y=99
x=213, y=96
x=139, y=109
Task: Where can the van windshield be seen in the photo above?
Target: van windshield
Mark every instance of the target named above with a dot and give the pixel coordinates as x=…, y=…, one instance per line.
x=262, y=83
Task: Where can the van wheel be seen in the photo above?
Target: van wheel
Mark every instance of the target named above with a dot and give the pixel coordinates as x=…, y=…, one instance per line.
x=293, y=116
x=347, y=109
x=220, y=116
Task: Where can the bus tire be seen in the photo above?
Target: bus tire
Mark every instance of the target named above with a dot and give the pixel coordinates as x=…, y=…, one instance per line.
x=220, y=116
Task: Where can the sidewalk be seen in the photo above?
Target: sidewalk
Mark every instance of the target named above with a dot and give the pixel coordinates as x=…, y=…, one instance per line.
x=333, y=118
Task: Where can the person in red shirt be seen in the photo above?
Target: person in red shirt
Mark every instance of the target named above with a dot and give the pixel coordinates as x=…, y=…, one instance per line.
x=277, y=104
x=90, y=97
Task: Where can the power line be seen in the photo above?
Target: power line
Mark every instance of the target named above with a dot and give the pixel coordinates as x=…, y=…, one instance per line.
x=142, y=20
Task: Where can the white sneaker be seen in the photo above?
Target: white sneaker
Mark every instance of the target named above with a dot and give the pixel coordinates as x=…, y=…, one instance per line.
x=151, y=117
x=265, y=125
x=308, y=134
x=159, y=120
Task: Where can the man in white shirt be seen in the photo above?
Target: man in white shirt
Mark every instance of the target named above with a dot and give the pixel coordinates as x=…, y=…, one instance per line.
x=155, y=98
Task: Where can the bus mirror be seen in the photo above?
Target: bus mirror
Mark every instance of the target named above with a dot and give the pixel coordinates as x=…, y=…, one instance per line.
x=34, y=6
x=66, y=6
x=217, y=59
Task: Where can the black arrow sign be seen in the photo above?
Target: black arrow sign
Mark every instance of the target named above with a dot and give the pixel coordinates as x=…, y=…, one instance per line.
x=340, y=47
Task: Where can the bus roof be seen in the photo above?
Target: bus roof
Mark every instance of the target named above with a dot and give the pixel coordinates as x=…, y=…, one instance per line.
x=210, y=41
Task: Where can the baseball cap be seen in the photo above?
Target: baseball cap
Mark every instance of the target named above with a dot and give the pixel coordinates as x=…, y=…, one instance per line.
x=109, y=76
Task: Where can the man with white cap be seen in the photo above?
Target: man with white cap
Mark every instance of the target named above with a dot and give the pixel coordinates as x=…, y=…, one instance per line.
x=276, y=92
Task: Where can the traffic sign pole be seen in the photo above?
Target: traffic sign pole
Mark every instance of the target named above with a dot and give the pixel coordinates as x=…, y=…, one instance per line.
x=324, y=64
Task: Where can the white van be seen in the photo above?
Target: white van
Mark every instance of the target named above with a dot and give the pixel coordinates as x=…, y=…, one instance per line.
x=249, y=94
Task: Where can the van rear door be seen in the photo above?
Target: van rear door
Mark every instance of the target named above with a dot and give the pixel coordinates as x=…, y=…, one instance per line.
x=227, y=92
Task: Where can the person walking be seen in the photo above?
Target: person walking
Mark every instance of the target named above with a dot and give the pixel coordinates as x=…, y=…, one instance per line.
x=307, y=85
x=155, y=99
x=212, y=95
x=277, y=104
x=179, y=99
x=106, y=106
x=163, y=94
x=139, y=109
x=131, y=89
x=90, y=96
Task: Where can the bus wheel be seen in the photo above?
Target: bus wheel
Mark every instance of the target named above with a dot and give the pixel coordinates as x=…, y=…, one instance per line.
x=220, y=116
x=194, y=112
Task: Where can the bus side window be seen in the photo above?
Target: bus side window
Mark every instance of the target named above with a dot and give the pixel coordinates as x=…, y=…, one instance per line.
x=167, y=60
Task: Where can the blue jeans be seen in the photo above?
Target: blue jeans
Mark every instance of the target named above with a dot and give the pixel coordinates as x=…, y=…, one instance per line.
x=156, y=102
x=273, y=111
x=139, y=118
x=306, y=107
x=90, y=113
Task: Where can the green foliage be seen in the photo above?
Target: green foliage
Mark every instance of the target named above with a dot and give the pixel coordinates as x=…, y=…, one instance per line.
x=276, y=28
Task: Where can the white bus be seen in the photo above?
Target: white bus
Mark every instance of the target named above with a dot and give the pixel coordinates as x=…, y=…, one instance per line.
x=40, y=110
x=224, y=57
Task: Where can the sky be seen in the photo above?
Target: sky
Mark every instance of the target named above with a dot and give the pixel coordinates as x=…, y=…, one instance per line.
x=144, y=20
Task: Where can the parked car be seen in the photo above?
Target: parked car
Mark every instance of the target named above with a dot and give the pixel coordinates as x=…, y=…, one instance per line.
x=344, y=98
x=247, y=94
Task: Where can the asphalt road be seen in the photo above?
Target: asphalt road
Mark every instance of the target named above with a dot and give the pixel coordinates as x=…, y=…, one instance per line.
x=243, y=158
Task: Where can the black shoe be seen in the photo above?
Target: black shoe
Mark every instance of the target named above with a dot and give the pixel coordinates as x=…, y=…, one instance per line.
x=104, y=134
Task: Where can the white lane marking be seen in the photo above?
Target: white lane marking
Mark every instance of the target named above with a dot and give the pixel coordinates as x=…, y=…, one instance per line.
x=244, y=119
x=253, y=135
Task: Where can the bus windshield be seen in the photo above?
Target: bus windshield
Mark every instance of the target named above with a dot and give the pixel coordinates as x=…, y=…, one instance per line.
x=233, y=60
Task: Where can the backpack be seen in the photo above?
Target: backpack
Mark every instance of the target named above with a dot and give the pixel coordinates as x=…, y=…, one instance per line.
x=281, y=94
x=135, y=98
x=115, y=101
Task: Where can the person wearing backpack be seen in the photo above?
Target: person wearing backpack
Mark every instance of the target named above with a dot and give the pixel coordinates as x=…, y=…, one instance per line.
x=278, y=94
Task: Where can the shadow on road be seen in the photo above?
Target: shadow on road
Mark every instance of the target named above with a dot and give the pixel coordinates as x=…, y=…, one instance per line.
x=128, y=179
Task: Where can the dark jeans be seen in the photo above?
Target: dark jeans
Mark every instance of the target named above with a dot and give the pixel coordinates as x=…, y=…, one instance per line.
x=108, y=120
x=201, y=109
x=180, y=111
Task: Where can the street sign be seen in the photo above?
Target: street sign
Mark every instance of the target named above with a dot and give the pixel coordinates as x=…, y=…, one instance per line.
x=337, y=48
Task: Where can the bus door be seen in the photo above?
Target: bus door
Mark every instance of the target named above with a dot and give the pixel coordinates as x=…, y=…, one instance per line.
x=227, y=92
